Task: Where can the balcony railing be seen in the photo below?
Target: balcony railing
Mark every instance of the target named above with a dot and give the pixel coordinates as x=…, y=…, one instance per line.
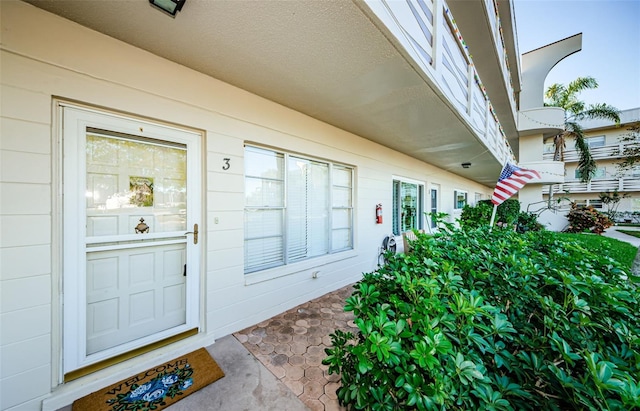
x=428, y=32
x=496, y=28
x=622, y=184
x=611, y=151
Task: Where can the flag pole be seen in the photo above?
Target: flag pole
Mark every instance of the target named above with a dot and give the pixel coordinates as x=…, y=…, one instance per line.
x=493, y=217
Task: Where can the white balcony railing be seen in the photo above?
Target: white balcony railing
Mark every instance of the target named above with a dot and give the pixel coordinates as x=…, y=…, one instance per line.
x=608, y=152
x=427, y=31
x=496, y=28
x=622, y=184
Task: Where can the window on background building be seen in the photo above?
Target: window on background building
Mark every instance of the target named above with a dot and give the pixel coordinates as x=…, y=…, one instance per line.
x=408, y=206
x=635, y=171
x=549, y=148
x=596, y=203
x=459, y=199
x=295, y=208
x=601, y=172
x=433, y=206
x=595, y=141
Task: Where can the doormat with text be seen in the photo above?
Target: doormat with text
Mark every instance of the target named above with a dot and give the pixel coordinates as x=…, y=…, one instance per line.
x=156, y=388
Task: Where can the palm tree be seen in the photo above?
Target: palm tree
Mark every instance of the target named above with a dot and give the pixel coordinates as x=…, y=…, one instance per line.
x=566, y=97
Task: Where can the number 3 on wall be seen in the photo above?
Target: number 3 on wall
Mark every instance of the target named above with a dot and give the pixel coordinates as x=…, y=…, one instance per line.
x=226, y=164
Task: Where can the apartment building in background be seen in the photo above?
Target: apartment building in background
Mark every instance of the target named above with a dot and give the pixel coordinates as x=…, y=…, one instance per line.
x=168, y=181
x=607, y=148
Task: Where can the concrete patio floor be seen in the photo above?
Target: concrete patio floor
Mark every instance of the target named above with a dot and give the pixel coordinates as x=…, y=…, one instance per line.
x=291, y=346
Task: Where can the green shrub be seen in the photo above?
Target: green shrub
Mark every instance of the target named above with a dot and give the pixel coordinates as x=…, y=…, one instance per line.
x=587, y=219
x=480, y=214
x=528, y=222
x=476, y=216
x=473, y=320
x=507, y=215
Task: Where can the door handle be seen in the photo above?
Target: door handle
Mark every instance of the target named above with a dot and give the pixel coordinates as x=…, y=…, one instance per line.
x=195, y=233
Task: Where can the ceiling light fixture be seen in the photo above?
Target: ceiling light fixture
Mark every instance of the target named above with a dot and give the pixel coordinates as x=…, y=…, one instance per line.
x=466, y=165
x=171, y=7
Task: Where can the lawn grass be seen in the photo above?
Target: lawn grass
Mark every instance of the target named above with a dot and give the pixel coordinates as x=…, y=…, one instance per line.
x=630, y=232
x=620, y=251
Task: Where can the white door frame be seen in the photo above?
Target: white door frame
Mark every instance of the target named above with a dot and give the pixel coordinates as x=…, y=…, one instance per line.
x=75, y=120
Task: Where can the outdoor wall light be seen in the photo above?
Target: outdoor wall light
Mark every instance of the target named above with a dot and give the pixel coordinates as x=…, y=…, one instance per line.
x=466, y=165
x=170, y=7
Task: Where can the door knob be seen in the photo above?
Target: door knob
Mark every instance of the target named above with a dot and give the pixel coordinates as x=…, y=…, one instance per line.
x=195, y=233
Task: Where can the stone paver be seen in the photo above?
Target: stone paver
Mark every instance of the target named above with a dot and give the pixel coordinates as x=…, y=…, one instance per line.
x=291, y=346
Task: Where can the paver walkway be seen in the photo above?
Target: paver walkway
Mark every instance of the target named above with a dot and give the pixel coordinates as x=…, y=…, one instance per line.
x=291, y=345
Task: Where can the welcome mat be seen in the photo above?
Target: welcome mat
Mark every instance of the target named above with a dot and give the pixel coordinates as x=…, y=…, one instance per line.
x=156, y=388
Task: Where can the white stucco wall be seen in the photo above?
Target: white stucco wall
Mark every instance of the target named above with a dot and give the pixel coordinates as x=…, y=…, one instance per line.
x=44, y=56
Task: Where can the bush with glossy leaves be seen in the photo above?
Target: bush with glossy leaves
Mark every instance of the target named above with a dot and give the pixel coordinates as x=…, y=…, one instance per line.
x=479, y=320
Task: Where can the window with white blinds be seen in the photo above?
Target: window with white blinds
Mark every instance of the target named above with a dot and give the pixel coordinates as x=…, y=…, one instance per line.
x=295, y=208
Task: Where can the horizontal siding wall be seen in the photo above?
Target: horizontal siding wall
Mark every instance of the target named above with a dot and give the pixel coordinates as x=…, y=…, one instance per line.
x=38, y=63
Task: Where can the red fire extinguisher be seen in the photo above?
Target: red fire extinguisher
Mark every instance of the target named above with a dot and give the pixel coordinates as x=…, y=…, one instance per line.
x=378, y=213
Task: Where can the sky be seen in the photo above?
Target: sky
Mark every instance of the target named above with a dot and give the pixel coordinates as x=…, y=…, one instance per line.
x=610, y=44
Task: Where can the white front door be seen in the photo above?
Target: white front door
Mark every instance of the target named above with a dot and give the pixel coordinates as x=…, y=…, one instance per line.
x=131, y=213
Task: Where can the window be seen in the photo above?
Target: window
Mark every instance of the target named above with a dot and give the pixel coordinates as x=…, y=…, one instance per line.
x=408, y=207
x=635, y=171
x=549, y=148
x=596, y=203
x=601, y=172
x=596, y=141
x=434, y=206
x=295, y=208
x=477, y=198
x=459, y=199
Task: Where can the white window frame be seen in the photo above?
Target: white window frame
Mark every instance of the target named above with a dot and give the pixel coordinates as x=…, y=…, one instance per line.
x=596, y=141
x=395, y=207
x=455, y=199
x=596, y=203
x=268, y=271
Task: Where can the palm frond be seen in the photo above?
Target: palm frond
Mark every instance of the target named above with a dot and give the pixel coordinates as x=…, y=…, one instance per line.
x=554, y=95
x=600, y=111
x=581, y=84
x=574, y=128
x=566, y=97
x=586, y=164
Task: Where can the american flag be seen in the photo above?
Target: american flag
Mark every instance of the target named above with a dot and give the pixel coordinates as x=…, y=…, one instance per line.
x=511, y=180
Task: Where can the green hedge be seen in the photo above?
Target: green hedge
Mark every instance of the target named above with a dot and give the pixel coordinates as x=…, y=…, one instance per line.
x=473, y=320
x=507, y=215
